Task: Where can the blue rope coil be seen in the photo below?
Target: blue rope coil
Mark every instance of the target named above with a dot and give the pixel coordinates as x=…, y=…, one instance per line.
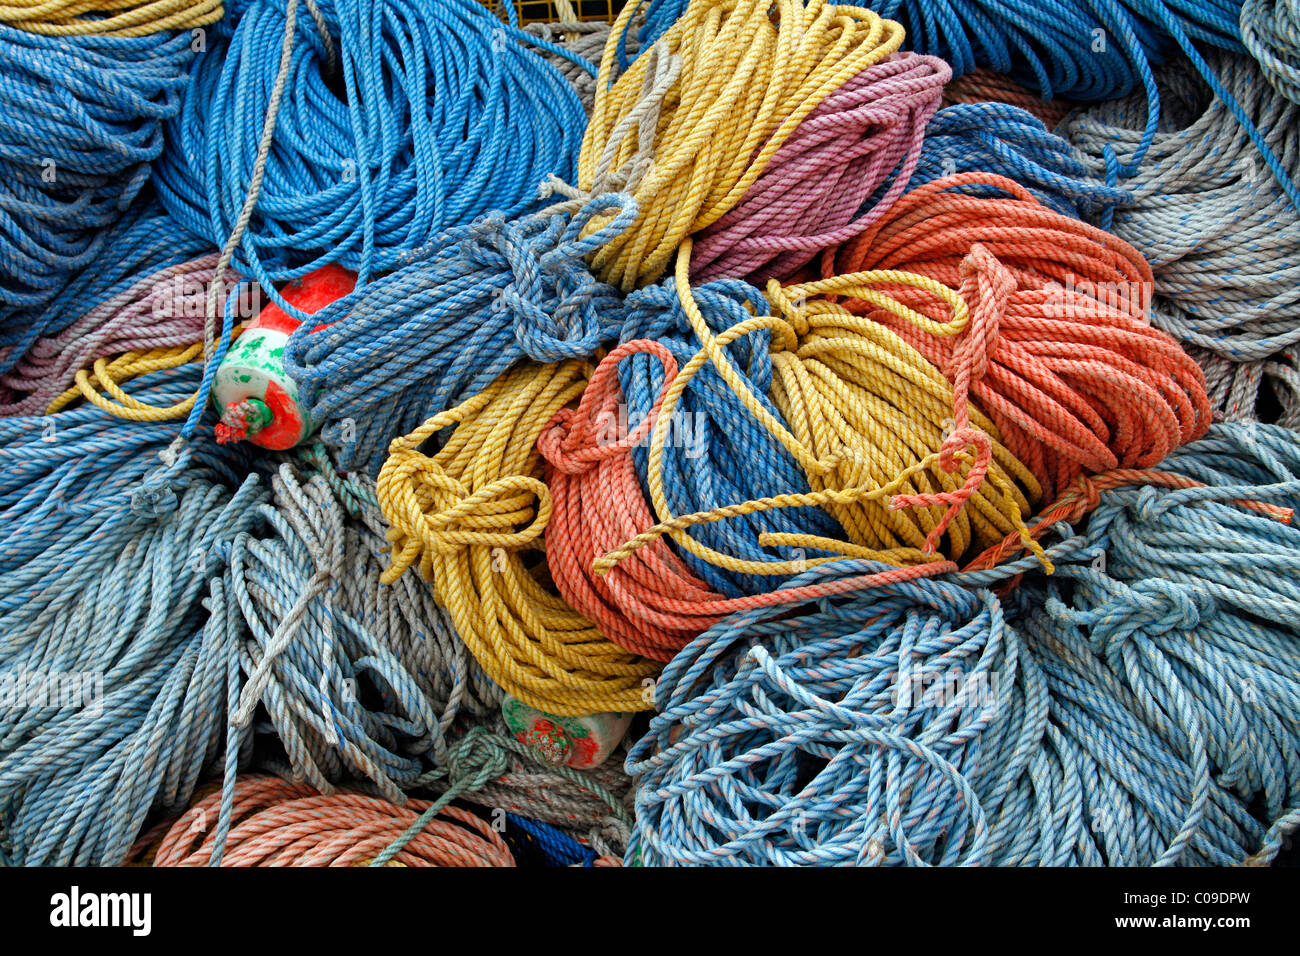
x=404, y=118
x=1004, y=139
x=80, y=125
x=430, y=335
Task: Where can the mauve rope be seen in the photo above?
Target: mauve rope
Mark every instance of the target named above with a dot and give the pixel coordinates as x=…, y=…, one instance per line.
x=160, y=310
x=812, y=195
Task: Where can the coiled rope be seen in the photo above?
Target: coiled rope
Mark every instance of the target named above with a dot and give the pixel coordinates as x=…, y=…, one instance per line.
x=983, y=86
x=276, y=823
x=1001, y=139
x=108, y=586
x=652, y=605
x=1221, y=236
x=376, y=364
x=1144, y=716
x=1270, y=30
x=1058, y=350
x=729, y=93
x=81, y=122
x=155, y=323
x=471, y=515
x=442, y=115
x=885, y=440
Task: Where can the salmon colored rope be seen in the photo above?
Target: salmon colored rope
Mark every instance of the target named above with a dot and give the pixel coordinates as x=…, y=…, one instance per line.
x=1058, y=351
x=276, y=823
x=652, y=603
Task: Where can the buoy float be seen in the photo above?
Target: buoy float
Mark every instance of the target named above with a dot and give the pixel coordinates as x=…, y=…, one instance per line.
x=257, y=399
x=579, y=742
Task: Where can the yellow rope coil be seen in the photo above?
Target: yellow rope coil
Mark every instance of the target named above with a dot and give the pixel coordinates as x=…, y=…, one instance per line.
x=108, y=375
x=729, y=82
x=472, y=517
x=124, y=18
x=868, y=417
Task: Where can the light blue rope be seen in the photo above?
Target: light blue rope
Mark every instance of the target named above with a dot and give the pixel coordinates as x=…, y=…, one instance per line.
x=428, y=336
x=415, y=117
x=89, y=586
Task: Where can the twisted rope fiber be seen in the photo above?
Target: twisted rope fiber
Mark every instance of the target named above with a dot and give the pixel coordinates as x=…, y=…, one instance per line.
x=276, y=823
x=81, y=122
x=654, y=605
x=1058, y=351
x=1002, y=139
x=584, y=41
x=411, y=345
x=983, y=85
x=1270, y=30
x=761, y=749
x=811, y=97
x=885, y=441
x=714, y=441
x=154, y=323
x=1193, y=610
x=1220, y=235
x=129, y=18
x=96, y=580
x=444, y=115
x=143, y=241
x=471, y=515
x=356, y=679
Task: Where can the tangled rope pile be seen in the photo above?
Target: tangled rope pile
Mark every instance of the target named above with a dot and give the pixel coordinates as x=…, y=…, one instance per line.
x=1058, y=346
x=1219, y=233
x=816, y=91
x=376, y=364
x=443, y=114
x=94, y=587
x=356, y=679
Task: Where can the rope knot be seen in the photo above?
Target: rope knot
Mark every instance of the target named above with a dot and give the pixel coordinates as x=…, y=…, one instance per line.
x=791, y=309
x=986, y=285
x=1152, y=606
x=574, y=442
x=475, y=760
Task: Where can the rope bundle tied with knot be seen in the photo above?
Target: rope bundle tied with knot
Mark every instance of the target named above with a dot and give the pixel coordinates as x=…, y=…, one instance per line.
x=651, y=604
x=1058, y=352
x=889, y=448
x=761, y=128
x=472, y=515
x=376, y=364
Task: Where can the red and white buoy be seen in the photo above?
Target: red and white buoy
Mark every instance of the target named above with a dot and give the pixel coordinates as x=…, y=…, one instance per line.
x=257, y=399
